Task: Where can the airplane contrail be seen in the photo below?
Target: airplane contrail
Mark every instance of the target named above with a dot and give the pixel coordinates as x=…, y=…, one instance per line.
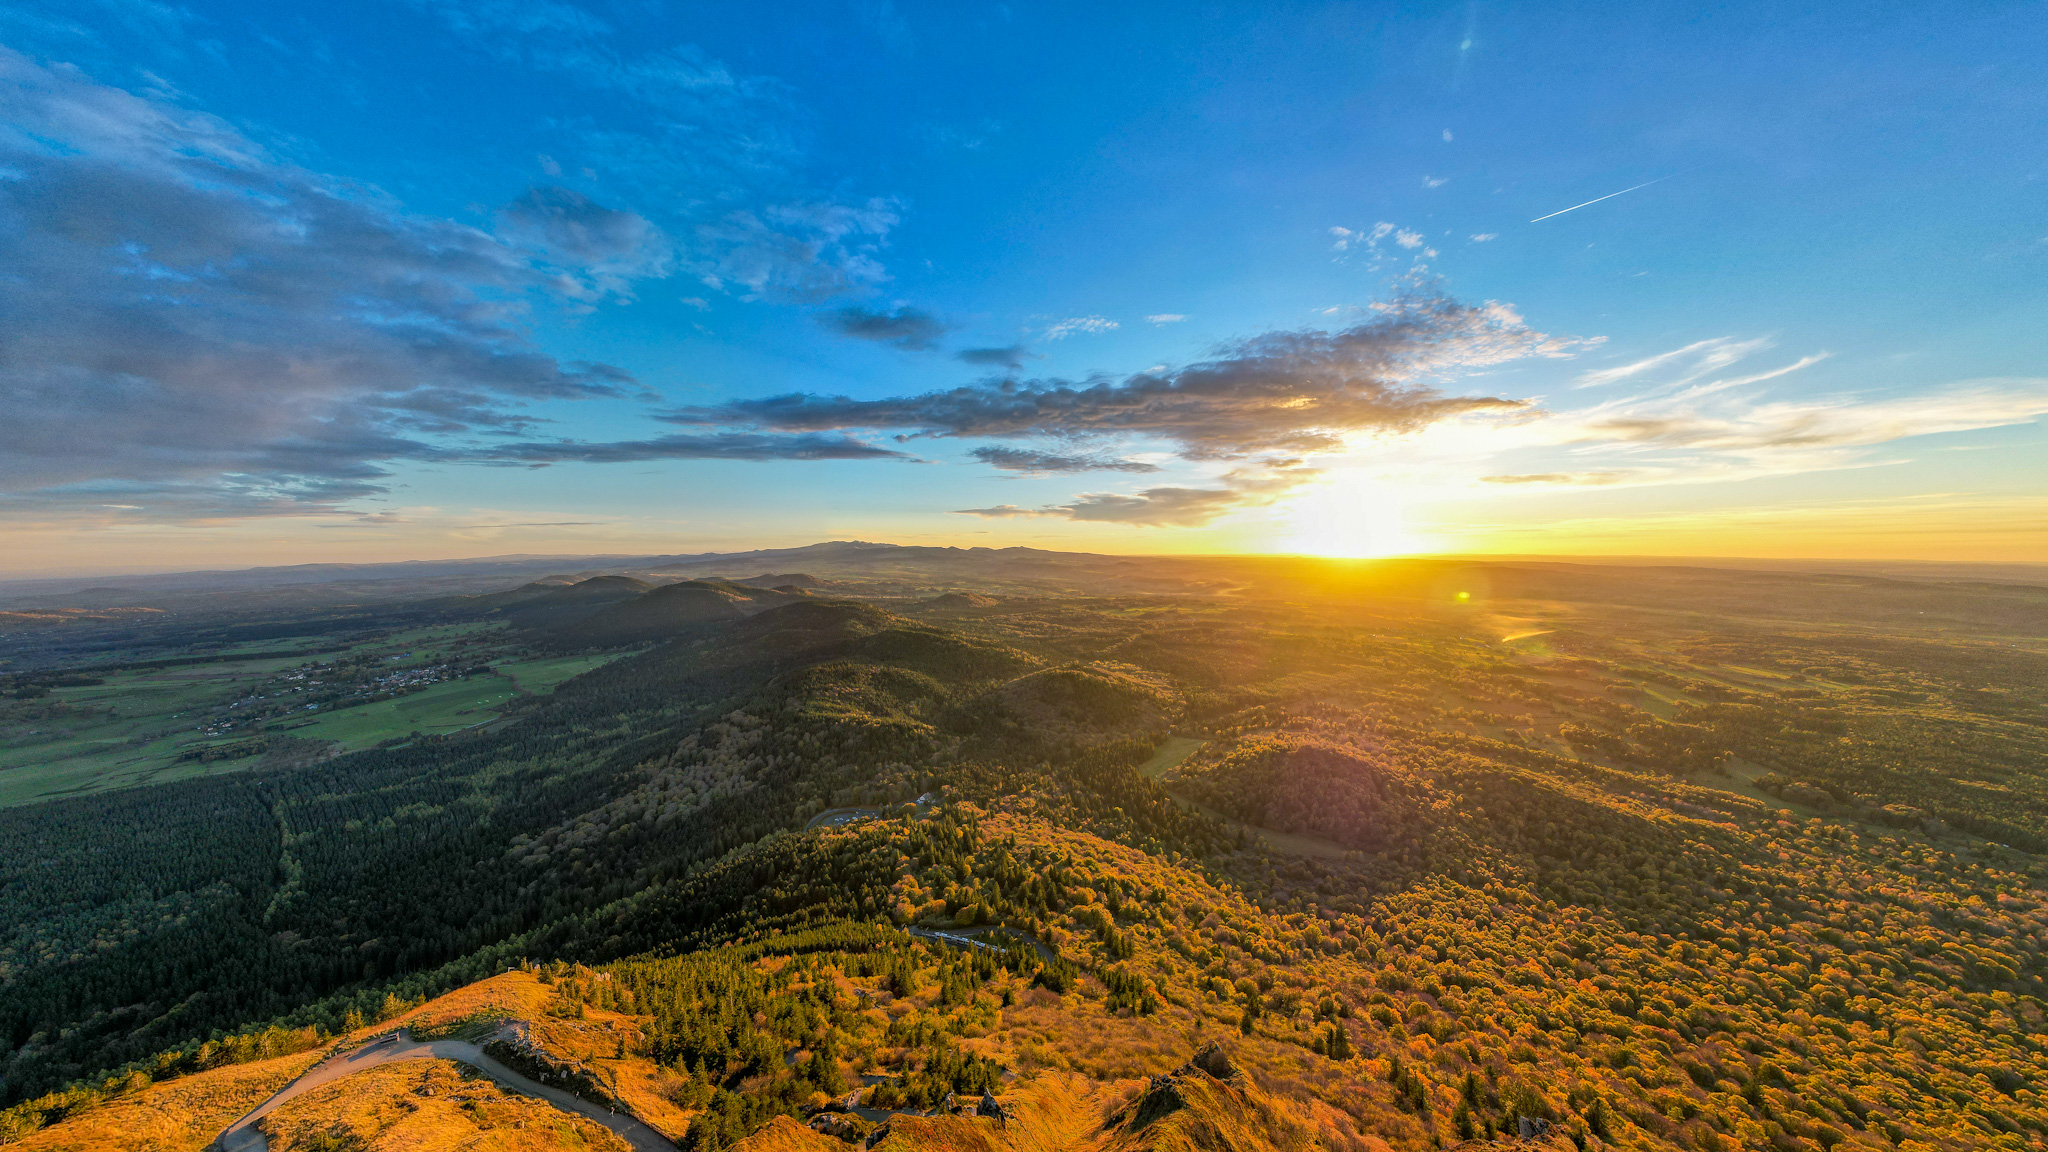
x=1609, y=196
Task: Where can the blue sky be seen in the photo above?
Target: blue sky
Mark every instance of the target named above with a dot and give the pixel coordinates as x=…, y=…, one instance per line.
x=405, y=280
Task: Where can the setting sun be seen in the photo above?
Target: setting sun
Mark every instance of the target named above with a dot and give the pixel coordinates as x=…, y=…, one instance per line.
x=1352, y=517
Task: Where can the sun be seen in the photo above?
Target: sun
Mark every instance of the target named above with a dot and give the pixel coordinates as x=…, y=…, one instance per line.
x=1351, y=518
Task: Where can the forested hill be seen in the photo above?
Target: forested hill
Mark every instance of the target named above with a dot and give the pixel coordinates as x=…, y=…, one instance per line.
x=1424, y=863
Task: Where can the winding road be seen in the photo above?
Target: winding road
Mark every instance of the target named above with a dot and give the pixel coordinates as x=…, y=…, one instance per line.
x=243, y=1135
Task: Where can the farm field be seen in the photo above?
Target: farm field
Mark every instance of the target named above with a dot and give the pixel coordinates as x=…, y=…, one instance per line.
x=450, y=706
x=129, y=730
x=147, y=726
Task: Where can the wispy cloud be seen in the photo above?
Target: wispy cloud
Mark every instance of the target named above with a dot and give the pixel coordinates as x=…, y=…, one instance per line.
x=708, y=446
x=1038, y=463
x=1166, y=318
x=1073, y=325
x=1698, y=359
x=712, y=159
x=1164, y=507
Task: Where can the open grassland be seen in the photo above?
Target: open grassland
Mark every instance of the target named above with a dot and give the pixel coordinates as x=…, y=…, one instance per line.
x=129, y=730
x=181, y=1115
x=539, y=677
x=432, y=711
x=1172, y=751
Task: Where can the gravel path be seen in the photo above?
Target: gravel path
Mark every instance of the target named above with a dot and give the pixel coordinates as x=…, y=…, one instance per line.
x=243, y=1136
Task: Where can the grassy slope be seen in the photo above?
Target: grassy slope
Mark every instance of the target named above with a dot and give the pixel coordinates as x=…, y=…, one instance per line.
x=181, y=1115
x=428, y=1104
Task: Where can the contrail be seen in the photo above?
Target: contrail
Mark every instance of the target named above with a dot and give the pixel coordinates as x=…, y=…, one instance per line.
x=1609, y=196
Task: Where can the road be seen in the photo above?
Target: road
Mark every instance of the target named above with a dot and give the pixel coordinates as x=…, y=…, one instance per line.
x=243, y=1136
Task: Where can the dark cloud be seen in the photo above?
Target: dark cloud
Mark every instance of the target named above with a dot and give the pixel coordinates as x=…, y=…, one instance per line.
x=1010, y=357
x=910, y=329
x=710, y=446
x=1287, y=392
x=1027, y=460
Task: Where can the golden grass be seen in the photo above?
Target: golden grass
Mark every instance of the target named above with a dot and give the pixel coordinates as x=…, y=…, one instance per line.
x=182, y=1115
x=783, y=1134
x=429, y=1106
x=511, y=996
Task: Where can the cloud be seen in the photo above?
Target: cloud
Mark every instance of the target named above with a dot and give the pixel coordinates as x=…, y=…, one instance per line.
x=192, y=323
x=1152, y=508
x=1285, y=392
x=1373, y=243
x=711, y=157
x=1267, y=402
x=1165, y=507
x=1166, y=318
x=709, y=446
x=1697, y=359
x=1757, y=377
x=1687, y=423
x=797, y=253
x=1837, y=422
x=1483, y=237
x=1435, y=181
x=1045, y=463
x=1348, y=239
x=1090, y=325
x=907, y=328
x=596, y=251
x=1011, y=356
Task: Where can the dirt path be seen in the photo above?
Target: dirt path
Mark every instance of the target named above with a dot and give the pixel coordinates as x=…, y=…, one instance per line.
x=971, y=938
x=243, y=1136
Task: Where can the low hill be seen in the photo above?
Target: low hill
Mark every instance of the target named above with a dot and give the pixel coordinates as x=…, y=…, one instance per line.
x=783, y=580
x=1083, y=702
x=561, y=606
x=1294, y=783
x=959, y=601
x=658, y=614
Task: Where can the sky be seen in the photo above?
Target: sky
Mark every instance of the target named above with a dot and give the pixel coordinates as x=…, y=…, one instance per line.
x=286, y=282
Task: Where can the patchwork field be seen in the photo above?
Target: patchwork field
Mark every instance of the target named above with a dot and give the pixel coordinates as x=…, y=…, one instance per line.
x=159, y=724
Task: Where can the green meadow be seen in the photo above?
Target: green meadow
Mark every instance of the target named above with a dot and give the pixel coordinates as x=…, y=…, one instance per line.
x=134, y=728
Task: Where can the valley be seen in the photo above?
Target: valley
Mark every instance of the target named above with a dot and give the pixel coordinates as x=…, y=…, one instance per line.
x=1663, y=858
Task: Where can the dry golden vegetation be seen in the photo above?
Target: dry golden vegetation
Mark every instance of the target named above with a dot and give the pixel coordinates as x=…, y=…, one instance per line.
x=427, y=1106
x=181, y=1115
